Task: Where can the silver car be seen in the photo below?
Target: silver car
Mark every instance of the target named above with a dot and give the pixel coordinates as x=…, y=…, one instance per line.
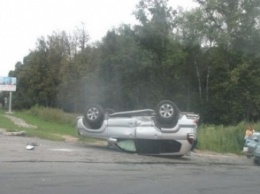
x=163, y=131
x=257, y=153
x=253, y=144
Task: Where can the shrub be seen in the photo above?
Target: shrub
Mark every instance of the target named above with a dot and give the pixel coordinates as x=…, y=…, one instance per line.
x=53, y=115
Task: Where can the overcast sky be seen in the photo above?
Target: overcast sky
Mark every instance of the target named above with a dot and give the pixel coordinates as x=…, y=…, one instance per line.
x=22, y=22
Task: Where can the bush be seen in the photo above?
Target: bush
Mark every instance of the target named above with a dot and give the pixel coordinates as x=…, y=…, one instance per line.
x=53, y=115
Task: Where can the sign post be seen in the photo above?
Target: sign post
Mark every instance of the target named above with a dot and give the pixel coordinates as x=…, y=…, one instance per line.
x=8, y=84
x=10, y=103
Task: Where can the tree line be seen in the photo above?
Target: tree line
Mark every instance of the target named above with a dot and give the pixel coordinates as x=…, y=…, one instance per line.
x=206, y=60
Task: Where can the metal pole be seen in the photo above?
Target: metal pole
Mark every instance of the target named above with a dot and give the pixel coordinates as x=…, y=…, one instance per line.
x=10, y=102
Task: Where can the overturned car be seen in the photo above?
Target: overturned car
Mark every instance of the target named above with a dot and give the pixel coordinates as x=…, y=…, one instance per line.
x=162, y=131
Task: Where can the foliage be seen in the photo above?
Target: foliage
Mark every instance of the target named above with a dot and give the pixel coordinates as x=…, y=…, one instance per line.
x=205, y=59
x=218, y=138
x=53, y=115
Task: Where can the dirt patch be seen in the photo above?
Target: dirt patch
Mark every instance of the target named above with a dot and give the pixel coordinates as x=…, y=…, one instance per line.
x=20, y=122
x=68, y=138
x=211, y=154
x=2, y=131
x=18, y=133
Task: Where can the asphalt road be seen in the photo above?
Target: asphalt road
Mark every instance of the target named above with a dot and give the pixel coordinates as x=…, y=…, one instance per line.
x=67, y=168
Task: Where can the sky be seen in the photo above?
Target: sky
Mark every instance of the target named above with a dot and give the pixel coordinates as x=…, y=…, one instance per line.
x=22, y=22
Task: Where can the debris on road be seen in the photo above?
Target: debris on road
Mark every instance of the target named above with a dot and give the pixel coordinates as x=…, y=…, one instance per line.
x=16, y=133
x=31, y=146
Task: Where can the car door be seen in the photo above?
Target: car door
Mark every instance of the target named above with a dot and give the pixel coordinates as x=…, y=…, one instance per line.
x=122, y=130
x=147, y=137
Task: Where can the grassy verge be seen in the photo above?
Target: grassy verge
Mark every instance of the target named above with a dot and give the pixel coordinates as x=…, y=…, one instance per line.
x=52, y=124
x=6, y=123
x=228, y=139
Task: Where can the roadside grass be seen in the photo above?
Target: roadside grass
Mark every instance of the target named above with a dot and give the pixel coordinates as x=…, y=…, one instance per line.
x=52, y=115
x=51, y=124
x=223, y=139
x=6, y=123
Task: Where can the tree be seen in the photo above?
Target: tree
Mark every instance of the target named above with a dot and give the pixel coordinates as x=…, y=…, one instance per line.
x=156, y=20
x=235, y=26
x=155, y=35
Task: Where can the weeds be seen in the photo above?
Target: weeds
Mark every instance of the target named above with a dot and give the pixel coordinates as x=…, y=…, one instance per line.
x=53, y=115
x=223, y=139
x=6, y=123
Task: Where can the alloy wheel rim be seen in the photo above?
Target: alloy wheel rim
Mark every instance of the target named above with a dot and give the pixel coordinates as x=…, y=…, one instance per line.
x=166, y=110
x=92, y=113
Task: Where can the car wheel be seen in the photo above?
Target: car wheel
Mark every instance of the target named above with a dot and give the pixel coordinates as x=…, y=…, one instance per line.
x=94, y=116
x=167, y=112
x=256, y=161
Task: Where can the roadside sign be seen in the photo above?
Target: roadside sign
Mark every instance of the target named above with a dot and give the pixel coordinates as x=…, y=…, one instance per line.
x=8, y=84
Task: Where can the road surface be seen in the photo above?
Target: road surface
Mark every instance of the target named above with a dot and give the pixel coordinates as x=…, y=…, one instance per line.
x=80, y=168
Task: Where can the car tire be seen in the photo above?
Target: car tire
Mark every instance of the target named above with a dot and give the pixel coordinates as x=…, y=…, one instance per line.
x=256, y=161
x=94, y=116
x=167, y=112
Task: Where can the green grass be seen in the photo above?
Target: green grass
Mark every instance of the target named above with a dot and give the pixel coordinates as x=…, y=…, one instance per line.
x=6, y=123
x=228, y=139
x=52, y=115
x=51, y=124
